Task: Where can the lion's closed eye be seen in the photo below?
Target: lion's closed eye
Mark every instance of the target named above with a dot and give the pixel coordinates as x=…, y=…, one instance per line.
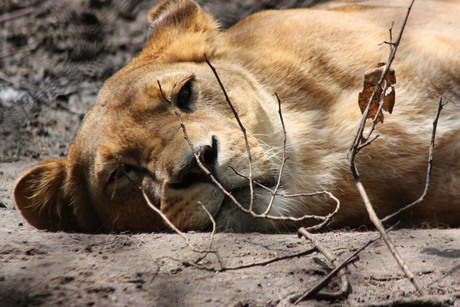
x=123, y=176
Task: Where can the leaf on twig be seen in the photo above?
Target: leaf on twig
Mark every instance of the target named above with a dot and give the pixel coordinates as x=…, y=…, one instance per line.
x=386, y=89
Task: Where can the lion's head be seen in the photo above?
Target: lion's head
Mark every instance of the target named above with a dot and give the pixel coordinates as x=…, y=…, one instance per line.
x=131, y=139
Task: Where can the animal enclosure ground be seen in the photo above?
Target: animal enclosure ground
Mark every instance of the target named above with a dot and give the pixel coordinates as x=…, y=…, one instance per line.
x=54, y=56
x=50, y=269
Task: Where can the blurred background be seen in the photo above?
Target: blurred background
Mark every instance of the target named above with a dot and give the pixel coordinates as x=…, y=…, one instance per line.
x=55, y=55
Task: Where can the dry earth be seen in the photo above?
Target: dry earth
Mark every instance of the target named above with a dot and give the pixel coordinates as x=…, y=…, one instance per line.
x=54, y=56
x=61, y=269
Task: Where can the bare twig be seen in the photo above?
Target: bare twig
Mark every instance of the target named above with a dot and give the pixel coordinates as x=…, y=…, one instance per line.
x=250, y=265
x=214, y=226
x=355, y=148
x=359, y=134
x=178, y=231
x=378, y=224
x=325, y=220
x=17, y=51
x=339, y=269
x=284, y=159
x=393, y=46
x=169, y=223
x=16, y=14
x=429, y=168
x=6, y=78
x=243, y=129
x=164, y=217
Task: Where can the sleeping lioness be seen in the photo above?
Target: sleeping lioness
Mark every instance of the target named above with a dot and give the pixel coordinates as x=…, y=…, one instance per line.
x=315, y=61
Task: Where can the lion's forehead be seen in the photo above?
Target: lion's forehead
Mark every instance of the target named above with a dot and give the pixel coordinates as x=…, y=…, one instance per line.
x=113, y=137
x=131, y=109
x=144, y=79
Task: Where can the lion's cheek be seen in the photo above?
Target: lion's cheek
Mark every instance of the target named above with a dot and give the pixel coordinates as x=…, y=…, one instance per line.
x=184, y=207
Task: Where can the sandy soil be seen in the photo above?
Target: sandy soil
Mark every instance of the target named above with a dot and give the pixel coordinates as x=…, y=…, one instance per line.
x=62, y=269
x=54, y=56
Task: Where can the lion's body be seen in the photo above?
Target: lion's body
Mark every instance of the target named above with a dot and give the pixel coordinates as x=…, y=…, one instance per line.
x=315, y=61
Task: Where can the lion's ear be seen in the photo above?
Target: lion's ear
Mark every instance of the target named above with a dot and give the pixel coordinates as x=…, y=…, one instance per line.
x=180, y=31
x=41, y=196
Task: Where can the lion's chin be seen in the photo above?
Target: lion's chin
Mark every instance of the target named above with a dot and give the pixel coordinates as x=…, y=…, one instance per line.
x=228, y=215
x=232, y=218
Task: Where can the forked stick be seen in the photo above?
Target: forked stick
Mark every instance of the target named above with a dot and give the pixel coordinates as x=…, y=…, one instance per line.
x=359, y=139
x=243, y=129
x=339, y=269
x=252, y=264
x=355, y=148
x=284, y=159
x=428, y=170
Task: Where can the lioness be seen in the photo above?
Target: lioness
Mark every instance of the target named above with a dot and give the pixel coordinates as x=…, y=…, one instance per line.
x=314, y=60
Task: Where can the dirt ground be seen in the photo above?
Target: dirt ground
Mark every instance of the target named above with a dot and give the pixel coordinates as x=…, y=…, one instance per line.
x=54, y=57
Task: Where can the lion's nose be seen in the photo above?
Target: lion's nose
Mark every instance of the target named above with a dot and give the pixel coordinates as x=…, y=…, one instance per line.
x=191, y=172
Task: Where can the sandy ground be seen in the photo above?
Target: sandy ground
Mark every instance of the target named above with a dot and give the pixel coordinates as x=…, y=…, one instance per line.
x=54, y=56
x=62, y=269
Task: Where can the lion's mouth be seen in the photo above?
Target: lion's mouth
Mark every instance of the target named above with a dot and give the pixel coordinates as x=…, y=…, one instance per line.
x=242, y=194
x=190, y=179
x=192, y=171
x=231, y=216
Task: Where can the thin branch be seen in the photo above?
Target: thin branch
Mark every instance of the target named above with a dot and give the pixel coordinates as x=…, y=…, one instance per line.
x=359, y=134
x=177, y=230
x=16, y=14
x=378, y=224
x=214, y=226
x=169, y=223
x=18, y=51
x=284, y=159
x=365, y=140
x=429, y=168
x=243, y=129
x=325, y=219
x=250, y=265
x=353, y=151
x=339, y=269
x=376, y=118
x=367, y=143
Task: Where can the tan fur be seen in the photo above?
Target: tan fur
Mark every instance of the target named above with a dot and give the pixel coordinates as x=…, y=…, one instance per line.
x=315, y=60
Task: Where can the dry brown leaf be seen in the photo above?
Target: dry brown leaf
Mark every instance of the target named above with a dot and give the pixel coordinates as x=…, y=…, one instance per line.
x=371, y=78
